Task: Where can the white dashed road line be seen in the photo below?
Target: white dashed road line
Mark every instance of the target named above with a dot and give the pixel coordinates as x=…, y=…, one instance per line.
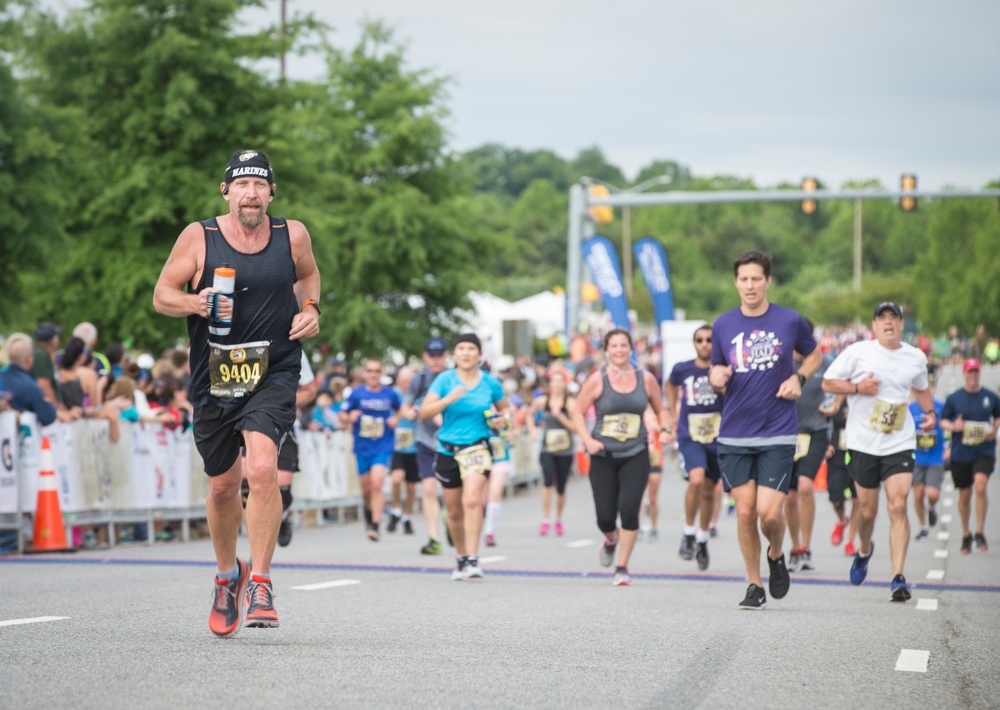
x=327, y=585
x=936, y=574
x=943, y=535
x=913, y=661
x=581, y=543
x=948, y=502
x=35, y=620
x=941, y=554
x=945, y=519
x=927, y=604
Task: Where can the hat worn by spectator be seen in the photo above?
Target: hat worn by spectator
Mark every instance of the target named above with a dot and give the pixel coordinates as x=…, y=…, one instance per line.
x=469, y=338
x=888, y=306
x=45, y=332
x=436, y=346
x=971, y=364
x=249, y=163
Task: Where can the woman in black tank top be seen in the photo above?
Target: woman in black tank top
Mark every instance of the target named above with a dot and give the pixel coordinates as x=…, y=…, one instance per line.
x=556, y=457
x=619, y=468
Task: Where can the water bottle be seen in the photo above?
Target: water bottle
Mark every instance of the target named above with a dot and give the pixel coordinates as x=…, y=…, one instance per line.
x=225, y=282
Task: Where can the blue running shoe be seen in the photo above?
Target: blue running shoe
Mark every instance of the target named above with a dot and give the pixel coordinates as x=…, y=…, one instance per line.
x=859, y=568
x=900, y=589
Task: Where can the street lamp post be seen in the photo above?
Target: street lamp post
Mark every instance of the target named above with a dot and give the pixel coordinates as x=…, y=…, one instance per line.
x=627, y=228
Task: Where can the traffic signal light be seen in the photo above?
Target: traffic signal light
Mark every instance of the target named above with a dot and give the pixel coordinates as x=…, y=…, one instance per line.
x=908, y=183
x=602, y=214
x=809, y=206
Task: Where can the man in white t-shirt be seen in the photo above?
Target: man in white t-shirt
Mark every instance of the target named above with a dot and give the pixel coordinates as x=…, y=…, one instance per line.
x=877, y=376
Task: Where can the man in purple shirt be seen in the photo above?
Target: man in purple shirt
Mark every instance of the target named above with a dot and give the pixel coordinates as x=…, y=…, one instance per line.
x=752, y=361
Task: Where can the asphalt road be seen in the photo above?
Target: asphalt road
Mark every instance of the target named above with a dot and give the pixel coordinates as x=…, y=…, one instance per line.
x=545, y=628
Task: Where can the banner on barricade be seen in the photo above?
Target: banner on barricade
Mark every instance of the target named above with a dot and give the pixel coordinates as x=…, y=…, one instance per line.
x=8, y=462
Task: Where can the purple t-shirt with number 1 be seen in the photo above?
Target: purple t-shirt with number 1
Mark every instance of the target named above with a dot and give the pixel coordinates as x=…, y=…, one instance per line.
x=759, y=349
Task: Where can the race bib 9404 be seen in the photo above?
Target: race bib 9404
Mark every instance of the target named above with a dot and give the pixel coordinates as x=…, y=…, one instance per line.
x=236, y=370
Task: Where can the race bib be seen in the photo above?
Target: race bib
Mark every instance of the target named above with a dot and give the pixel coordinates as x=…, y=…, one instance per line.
x=404, y=439
x=802, y=445
x=498, y=449
x=621, y=426
x=842, y=440
x=704, y=428
x=557, y=440
x=473, y=459
x=655, y=457
x=926, y=440
x=236, y=370
x=371, y=427
x=887, y=417
x=975, y=433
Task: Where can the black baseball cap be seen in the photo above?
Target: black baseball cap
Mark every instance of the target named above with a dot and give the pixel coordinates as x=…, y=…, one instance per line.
x=888, y=306
x=249, y=163
x=45, y=332
x=436, y=346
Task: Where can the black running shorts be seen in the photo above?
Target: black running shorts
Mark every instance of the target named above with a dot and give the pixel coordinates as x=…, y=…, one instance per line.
x=868, y=470
x=407, y=462
x=963, y=473
x=218, y=431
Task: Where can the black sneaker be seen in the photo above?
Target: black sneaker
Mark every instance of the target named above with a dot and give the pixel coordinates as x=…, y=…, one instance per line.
x=900, y=589
x=932, y=516
x=806, y=560
x=922, y=535
x=285, y=532
x=373, y=532
x=779, y=580
x=393, y=522
x=755, y=598
x=701, y=556
x=967, y=545
x=686, y=550
x=407, y=527
x=981, y=542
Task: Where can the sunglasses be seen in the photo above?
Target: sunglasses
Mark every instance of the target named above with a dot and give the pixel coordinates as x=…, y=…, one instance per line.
x=702, y=340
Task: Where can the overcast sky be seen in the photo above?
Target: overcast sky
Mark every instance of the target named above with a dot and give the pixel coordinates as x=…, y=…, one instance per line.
x=770, y=90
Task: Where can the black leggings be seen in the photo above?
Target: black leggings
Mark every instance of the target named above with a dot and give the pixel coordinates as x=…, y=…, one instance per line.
x=618, y=485
x=555, y=470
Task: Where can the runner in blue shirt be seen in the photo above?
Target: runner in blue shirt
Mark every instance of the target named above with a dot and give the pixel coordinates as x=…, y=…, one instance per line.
x=972, y=415
x=752, y=361
x=464, y=395
x=928, y=469
x=698, y=411
x=371, y=409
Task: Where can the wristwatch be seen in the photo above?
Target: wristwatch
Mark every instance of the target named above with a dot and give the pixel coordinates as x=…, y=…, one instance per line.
x=802, y=379
x=312, y=302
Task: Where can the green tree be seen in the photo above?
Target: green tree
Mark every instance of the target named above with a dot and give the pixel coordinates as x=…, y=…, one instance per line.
x=395, y=230
x=32, y=164
x=957, y=277
x=149, y=132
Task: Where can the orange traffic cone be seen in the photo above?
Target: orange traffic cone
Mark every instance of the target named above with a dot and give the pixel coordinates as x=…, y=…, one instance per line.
x=819, y=484
x=50, y=533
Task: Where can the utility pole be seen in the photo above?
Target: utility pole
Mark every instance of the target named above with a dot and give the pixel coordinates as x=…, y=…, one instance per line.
x=281, y=70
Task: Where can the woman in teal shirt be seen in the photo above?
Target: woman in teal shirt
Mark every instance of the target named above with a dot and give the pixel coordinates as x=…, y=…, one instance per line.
x=463, y=396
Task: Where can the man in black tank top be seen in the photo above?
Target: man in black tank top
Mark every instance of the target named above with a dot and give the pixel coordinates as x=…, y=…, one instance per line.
x=245, y=357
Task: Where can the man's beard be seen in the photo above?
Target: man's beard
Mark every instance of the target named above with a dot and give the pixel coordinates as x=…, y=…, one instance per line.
x=250, y=220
